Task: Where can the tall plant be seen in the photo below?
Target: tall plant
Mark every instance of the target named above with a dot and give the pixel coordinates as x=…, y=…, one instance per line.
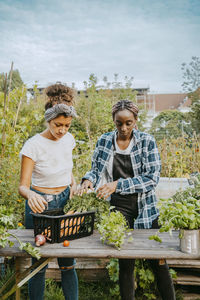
x=180, y=157
x=94, y=106
x=19, y=119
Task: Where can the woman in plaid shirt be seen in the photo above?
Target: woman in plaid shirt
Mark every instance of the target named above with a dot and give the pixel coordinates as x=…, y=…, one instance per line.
x=126, y=169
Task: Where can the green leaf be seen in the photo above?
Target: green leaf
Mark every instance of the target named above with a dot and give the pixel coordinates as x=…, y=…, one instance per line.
x=113, y=229
x=155, y=238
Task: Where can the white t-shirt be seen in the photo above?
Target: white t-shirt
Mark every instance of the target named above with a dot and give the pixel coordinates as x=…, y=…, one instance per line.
x=53, y=160
x=125, y=151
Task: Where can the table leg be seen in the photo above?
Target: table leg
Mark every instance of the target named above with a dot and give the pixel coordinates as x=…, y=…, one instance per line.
x=18, y=276
x=21, y=278
x=39, y=265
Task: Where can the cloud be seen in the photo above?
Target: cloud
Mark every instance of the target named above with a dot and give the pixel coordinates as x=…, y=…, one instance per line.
x=68, y=40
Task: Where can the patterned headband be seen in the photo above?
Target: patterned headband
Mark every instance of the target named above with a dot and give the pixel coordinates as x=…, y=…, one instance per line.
x=53, y=112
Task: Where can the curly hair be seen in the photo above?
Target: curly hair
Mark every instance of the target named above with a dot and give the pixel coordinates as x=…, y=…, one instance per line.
x=125, y=104
x=59, y=93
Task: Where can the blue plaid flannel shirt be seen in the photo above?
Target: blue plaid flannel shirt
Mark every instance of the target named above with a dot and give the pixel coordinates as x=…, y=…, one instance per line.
x=146, y=164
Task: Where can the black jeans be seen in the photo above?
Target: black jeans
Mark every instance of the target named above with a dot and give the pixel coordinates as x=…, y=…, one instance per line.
x=126, y=266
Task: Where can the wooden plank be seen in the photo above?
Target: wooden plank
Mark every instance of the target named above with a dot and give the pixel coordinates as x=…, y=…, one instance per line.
x=83, y=263
x=21, y=278
x=187, y=279
x=89, y=275
x=93, y=269
x=91, y=263
x=191, y=296
x=95, y=263
x=106, y=253
x=182, y=282
x=89, y=269
x=18, y=278
x=35, y=271
x=140, y=247
x=184, y=263
x=53, y=274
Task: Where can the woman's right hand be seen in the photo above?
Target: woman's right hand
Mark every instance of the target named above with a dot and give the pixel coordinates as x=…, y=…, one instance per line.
x=36, y=202
x=85, y=186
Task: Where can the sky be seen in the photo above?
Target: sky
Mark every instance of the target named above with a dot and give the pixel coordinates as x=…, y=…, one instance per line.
x=67, y=40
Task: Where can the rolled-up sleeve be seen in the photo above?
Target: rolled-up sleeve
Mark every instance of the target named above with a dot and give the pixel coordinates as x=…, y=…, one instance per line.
x=92, y=175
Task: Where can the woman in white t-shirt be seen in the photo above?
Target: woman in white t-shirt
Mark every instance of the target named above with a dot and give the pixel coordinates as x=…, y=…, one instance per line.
x=47, y=182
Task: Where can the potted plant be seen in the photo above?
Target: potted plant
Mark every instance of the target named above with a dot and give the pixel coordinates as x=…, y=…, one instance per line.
x=182, y=212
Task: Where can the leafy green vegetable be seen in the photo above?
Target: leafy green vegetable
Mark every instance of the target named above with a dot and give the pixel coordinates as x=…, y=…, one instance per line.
x=33, y=251
x=179, y=214
x=6, y=223
x=87, y=202
x=113, y=229
x=111, y=225
x=182, y=211
x=156, y=238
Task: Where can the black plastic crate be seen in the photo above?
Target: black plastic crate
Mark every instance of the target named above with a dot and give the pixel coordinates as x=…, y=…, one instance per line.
x=57, y=226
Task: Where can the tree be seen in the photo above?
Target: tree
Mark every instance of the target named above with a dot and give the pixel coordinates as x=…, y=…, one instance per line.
x=171, y=124
x=16, y=80
x=194, y=114
x=2, y=82
x=191, y=75
x=191, y=85
x=15, y=83
x=94, y=106
x=195, y=110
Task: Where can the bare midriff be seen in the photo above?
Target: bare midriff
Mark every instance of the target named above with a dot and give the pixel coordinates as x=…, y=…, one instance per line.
x=54, y=190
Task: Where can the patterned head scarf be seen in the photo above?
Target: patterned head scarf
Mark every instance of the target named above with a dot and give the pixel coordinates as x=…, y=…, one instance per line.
x=58, y=109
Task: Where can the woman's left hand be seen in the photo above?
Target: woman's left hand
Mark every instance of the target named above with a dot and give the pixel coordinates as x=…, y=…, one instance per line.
x=107, y=189
x=73, y=190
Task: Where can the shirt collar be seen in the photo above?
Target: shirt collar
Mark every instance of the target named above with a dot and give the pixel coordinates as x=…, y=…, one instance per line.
x=135, y=134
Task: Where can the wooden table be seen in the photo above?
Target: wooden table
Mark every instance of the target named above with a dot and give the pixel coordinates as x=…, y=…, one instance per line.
x=91, y=247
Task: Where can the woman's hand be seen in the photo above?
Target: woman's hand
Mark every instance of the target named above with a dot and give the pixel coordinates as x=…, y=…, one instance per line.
x=36, y=202
x=107, y=189
x=73, y=190
x=85, y=186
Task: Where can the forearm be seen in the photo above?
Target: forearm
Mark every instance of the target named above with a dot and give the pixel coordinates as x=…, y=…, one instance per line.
x=73, y=181
x=89, y=176
x=138, y=184
x=36, y=202
x=24, y=191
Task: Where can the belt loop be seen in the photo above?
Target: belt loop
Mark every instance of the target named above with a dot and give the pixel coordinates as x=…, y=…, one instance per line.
x=48, y=197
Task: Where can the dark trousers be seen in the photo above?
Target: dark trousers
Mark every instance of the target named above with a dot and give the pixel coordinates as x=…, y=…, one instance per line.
x=128, y=207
